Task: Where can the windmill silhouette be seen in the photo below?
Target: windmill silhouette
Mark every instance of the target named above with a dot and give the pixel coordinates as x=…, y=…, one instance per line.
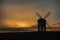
x=42, y=22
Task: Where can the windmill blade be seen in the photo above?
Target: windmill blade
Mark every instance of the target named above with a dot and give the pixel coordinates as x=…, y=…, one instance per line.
x=38, y=14
x=47, y=15
x=48, y=25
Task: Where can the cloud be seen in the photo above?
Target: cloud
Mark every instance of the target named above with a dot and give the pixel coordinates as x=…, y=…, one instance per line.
x=56, y=24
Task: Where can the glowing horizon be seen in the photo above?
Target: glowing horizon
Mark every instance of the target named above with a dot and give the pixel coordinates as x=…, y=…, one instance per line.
x=18, y=24
x=19, y=14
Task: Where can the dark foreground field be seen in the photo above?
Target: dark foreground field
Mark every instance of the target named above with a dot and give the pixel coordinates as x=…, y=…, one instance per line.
x=14, y=30
x=28, y=33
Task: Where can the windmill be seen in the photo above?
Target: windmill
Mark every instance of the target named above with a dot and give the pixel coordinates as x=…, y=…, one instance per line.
x=42, y=22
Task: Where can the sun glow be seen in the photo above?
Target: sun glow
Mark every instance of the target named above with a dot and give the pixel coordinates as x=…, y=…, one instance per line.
x=22, y=25
x=18, y=24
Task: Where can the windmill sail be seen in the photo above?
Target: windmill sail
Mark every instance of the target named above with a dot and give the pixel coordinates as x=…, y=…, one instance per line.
x=47, y=15
x=38, y=14
x=48, y=25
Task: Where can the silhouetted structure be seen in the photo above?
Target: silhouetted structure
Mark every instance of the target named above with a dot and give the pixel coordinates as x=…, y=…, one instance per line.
x=41, y=25
x=42, y=22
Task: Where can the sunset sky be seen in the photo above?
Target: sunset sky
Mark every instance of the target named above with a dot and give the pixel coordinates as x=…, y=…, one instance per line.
x=20, y=12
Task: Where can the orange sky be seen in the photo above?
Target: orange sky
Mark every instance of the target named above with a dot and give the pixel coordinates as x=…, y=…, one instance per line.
x=24, y=15
x=16, y=24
